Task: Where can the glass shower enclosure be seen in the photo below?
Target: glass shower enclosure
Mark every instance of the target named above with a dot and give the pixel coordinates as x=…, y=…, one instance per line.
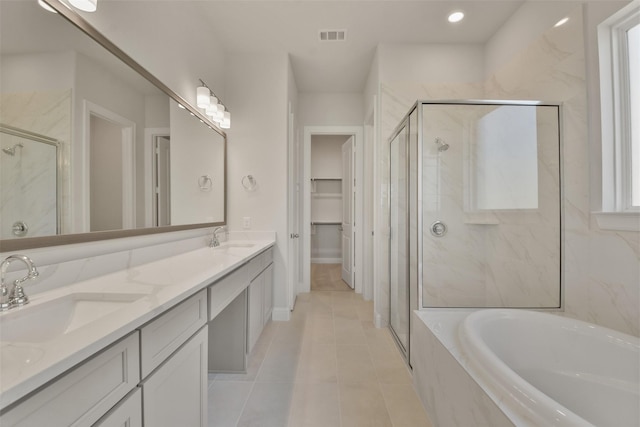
x=474, y=208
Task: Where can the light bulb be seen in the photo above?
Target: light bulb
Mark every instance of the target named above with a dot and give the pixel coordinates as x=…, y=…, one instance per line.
x=203, y=95
x=456, y=17
x=85, y=5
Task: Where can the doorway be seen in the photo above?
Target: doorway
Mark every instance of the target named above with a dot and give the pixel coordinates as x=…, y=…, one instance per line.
x=110, y=177
x=331, y=213
x=332, y=204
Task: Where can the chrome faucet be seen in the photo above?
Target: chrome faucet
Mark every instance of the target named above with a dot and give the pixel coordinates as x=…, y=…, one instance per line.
x=214, y=242
x=16, y=297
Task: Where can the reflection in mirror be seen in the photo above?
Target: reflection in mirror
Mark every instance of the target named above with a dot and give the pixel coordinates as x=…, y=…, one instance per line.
x=29, y=166
x=123, y=142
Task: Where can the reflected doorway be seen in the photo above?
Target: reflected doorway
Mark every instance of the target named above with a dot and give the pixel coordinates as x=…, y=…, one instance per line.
x=161, y=180
x=111, y=171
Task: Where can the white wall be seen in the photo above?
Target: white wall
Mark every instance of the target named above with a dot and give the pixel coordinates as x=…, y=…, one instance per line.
x=257, y=88
x=330, y=109
x=522, y=28
x=195, y=151
x=172, y=40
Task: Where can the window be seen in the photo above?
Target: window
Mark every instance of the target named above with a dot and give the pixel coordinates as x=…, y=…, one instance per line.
x=619, y=49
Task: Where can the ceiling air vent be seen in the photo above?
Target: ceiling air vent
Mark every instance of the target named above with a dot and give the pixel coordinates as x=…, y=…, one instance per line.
x=333, y=35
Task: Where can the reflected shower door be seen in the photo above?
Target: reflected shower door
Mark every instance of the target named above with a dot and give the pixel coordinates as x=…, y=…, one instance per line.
x=398, y=251
x=29, y=205
x=490, y=205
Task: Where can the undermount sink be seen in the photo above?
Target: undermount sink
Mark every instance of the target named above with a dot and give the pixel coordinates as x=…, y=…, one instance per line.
x=44, y=322
x=235, y=248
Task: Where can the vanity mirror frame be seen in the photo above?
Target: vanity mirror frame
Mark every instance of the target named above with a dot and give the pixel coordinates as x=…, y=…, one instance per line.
x=10, y=245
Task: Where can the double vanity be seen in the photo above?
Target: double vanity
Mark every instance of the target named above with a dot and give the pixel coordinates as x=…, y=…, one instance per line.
x=135, y=345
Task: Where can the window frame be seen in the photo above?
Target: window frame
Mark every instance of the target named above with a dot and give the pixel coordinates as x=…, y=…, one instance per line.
x=617, y=210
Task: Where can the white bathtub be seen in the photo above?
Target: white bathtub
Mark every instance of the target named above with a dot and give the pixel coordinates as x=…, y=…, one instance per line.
x=548, y=370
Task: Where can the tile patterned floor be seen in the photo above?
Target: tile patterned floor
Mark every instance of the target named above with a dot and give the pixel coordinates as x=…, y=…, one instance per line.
x=326, y=367
x=328, y=277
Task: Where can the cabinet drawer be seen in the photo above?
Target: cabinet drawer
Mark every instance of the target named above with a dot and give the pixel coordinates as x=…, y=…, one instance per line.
x=85, y=393
x=225, y=290
x=163, y=335
x=128, y=413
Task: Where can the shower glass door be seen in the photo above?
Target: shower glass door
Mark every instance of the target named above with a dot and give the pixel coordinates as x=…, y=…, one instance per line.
x=490, y=210
x=399, y=243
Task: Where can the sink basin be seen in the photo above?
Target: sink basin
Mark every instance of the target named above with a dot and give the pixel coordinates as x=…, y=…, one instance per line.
x=235, y=248
x=237, y=245
x=48, y=320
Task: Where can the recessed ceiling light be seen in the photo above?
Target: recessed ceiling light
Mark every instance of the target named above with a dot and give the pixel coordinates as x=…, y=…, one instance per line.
x=46, y=7
x=455, y=17
x=562, y=22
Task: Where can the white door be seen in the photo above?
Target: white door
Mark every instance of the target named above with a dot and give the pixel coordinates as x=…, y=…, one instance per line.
x=347, y=212
x=162, y=182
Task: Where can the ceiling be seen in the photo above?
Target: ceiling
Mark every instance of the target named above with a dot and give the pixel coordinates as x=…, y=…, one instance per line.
x=292, y=26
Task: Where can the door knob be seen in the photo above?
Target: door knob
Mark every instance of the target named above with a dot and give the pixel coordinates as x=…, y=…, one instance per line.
x=294, y=235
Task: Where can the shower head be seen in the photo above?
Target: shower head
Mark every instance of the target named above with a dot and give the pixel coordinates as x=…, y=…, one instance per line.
x=442, y=146
x=12, y=151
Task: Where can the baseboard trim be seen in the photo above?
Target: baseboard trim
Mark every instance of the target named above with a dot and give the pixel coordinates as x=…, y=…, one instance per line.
x=326, y=260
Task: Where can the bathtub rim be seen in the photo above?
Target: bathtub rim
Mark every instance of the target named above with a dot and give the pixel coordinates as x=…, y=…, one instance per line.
x=508, y=387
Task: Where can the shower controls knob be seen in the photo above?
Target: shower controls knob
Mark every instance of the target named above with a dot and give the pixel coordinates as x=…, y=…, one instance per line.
x=19, y=229
x=438, y=229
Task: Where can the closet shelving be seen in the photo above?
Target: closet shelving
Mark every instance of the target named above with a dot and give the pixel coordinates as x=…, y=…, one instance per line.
x=326, y=201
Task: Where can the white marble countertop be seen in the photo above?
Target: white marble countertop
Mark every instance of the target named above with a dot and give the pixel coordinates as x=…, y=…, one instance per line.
x=25, y=366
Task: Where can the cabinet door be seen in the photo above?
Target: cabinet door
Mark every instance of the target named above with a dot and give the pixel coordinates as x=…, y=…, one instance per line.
x=128, y=413
x=256, y=317
x=176, y=393
x=81, y=396
x=267, y=306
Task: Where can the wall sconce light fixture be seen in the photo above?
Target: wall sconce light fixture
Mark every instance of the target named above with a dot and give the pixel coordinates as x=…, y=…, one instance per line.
x=213, y=108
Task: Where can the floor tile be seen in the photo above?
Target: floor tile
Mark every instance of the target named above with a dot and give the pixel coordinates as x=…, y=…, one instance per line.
x=355, y=364
x=404, y=406
x=362, y=405
x=315, y=405
x=226, y=402
x=269, y=405
x=317, y=363
x=280, y=364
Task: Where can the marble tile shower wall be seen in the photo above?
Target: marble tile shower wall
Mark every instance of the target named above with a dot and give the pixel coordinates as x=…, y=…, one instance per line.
x=47, y=113
x=601, y=274
x=28, y=191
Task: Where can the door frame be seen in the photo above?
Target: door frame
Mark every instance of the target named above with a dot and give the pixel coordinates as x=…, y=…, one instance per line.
x=358, y=242
x=149, y=137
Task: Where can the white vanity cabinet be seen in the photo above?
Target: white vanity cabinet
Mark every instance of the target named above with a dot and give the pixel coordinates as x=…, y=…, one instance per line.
x=84, y=394
x=128, y=413
x=260, y=296
x=173, y=355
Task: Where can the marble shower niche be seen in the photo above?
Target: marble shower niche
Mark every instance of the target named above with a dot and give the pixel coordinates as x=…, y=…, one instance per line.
x=488, y=210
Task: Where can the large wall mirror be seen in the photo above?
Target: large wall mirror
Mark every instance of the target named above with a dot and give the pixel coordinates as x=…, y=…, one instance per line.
x=93, y=146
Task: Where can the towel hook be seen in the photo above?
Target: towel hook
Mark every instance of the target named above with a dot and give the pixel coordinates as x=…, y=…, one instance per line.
x=205, y=182
x=249, y=182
